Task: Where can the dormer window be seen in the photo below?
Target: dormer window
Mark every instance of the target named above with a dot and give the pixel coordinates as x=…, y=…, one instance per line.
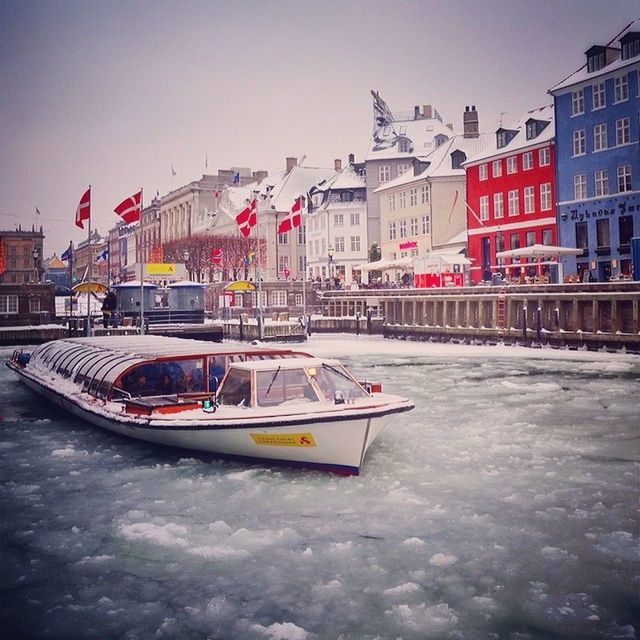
x=404, y=145
x=595, y=59
x=457, y=158
x=630, y=43
x=535, y=128
x=440, y=139
x=504, y=137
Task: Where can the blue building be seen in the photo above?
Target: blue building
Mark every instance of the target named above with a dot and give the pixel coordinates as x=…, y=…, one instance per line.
x=597, y=114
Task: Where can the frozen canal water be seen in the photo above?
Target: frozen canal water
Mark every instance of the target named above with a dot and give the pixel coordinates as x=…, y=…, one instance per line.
x=504, y=506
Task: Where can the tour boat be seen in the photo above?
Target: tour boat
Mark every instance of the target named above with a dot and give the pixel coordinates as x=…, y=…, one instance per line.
x=261, y=403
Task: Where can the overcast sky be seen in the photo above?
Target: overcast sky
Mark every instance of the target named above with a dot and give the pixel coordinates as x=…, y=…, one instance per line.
x=112, y=94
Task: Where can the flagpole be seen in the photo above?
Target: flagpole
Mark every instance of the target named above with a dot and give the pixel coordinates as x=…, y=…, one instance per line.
x=90, y=263
x=141, y=269
x=259, y=278
x=70, y=280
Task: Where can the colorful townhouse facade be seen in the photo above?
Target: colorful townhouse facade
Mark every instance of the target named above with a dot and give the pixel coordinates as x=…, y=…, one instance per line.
x=597, y=111
x=511, y=195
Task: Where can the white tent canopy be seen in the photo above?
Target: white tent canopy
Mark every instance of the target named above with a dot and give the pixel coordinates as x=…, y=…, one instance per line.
x=538, y=251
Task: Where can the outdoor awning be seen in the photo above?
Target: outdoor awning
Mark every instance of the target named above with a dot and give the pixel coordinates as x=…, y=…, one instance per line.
x=90, y=287
x=539, y=251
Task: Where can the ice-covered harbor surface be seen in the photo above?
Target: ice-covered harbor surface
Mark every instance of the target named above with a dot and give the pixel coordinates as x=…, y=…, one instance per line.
x=504, y=506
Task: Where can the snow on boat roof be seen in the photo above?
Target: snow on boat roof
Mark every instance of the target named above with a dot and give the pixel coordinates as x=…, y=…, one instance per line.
x=297, y=363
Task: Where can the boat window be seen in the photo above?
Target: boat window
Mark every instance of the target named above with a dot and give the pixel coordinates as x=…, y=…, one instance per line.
x=335, y=383
x=217, y=367
x=283, y=385
x=236, y=390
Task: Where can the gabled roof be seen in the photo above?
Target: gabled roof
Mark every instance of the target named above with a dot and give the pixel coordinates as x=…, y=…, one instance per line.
x=296, y=183
x=56, y=263
x=584, y=75
x=348, y=178
x=519, y=141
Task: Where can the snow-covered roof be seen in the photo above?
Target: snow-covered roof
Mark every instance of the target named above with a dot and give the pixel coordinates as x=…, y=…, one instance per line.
x=348, y=178
x=296, y=183
x=583, y=75
x=439, y=161
x=519, y=141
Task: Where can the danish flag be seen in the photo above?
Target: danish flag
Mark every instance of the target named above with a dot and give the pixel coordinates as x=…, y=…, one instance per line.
x=129, y=209
x=293, y=218
x=83, y=212
x=248, y=218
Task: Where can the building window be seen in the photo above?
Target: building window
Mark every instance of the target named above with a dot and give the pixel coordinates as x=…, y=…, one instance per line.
x=404, y=145
x=545, y=196
x=625, y=233
x=620, y=89
x=603, y=238
x=513, y=202
x=623, y=131
x=498, y=205
x=338, y=220
x=279, y=298
x=530, y=238
x=425, y=194
x=598, y=96
x=529, y=200
x=384, y=173
x=413, y=197
x=355, y=244
x=582, y=235
x=403, y=228
x=547, y=237
x=283, y=238
x=544, y=157
x=393, y=234
x=527, y=161
x=402, y=200
x=34, y=305
x=484, y=208
x=338, y=243
x=426, y=226
x=580, y=187
x=392, y=202
x=512, y=164
x=624, y=178
x=413, y=227
x=602, y=183
x=514, y=241
x=346, y=196
x=579, y=143
x=355, y=219
x=577, y=102
x=496, y=168
x=482, y=172
x=631, y=48
x=403, y=168
x=302, y=234
x=9, y=304
x=600, y=137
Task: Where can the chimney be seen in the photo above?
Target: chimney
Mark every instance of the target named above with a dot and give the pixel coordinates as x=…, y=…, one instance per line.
x=427, y=111
x=470, y=122
x=337, y=164
x=416, y=113
x=291, y=162
x=352, y=158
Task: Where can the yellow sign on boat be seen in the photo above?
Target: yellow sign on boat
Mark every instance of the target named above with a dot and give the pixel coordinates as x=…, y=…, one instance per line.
x=160, y=268
x=284, y=439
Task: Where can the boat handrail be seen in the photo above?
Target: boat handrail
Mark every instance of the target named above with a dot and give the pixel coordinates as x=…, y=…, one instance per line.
x=123, y=395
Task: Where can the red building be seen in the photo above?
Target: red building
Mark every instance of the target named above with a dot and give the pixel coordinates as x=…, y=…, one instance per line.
x=511, y=195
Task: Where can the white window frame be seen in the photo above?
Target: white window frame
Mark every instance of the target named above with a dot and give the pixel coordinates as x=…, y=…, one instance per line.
x=598, y=90
x=579, y=143
x=338, y=220
x=392, y=201
x=601, y=181
x=354, y=219
x=338, y=244
x=496, y=168
x=529, y=200
x=623, y=131
x=577, y=102
x=498, y=205
x=425, y=222
x=512, y=164
x=355, y=244
x=514, y=203
x=580, y=186
x=483, y=174
x=279, y=297
x=384, y=173
x=600, y=136
x=624, y=178
x=484, y=208
x=413, y=197
x=620, y=89
x=403, y=168
x=544, y=157
x=392, y=230
x=9, y=304
x=413, y=227
x=403, y=228
x=527, y=161
x=402, y=200
x=545, y=196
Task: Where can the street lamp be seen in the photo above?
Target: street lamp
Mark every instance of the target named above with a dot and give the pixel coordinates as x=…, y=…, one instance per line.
x=185, y=257
x=330, y=266
x=36, y=255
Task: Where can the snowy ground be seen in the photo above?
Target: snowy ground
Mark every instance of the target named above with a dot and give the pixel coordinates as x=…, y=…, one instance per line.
x=504, y=506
